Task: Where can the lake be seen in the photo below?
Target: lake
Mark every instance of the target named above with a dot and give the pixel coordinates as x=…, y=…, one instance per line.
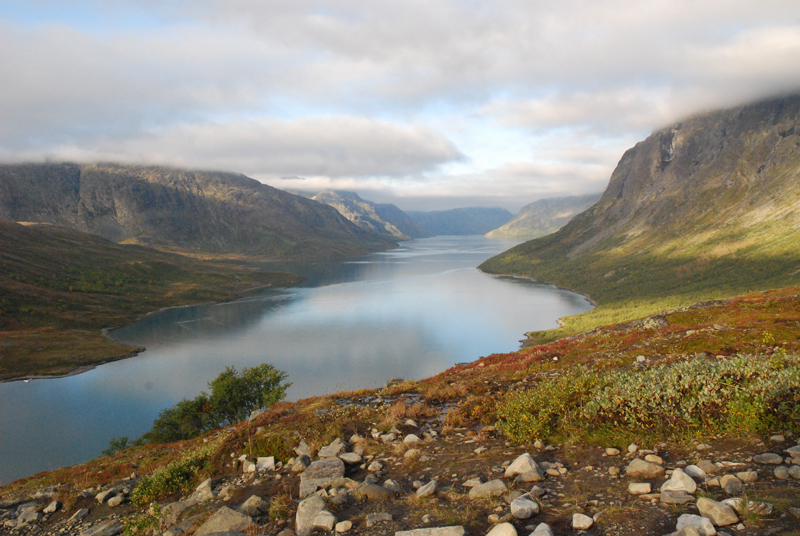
x=411, y=312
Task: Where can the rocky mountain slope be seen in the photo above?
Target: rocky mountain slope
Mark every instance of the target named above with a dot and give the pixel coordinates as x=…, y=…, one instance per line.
x=462, y=221
x=189, y=211
x=381, y=219
x=543, y=217
x=704, y=208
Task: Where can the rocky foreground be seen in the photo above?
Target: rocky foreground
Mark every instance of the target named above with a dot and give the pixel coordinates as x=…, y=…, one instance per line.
x=415, y=480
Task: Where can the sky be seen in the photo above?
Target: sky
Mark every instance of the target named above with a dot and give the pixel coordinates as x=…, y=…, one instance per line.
x=428, y=104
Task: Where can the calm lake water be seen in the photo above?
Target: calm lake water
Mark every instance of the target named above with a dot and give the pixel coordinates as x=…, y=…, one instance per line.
x=411, y=312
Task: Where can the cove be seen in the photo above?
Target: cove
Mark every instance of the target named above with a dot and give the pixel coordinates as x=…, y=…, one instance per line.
x=411, y=312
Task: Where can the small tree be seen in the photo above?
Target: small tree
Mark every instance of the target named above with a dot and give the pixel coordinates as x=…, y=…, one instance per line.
x=184, y=420
x=235, y=395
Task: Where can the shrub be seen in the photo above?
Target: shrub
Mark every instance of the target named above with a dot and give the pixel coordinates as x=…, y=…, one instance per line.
x=178, y=476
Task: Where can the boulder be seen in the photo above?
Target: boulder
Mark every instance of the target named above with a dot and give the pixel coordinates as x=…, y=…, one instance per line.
x=731, y=485
x=720, y=514
x=503, y=529
x=635, y=488
x=695, y=472
x=265, y=463
x=676, y=497
x=708, y=466
x=781, y=472
x=52, y=508
x=741, y=506
x=319, y=475
x=639, y=468
x=410, y=439
x=794, y=472
x=747, y=476
x=493, y=488
x=343, y=526
x=225, y=520
x=350, y=458
x=336, y=448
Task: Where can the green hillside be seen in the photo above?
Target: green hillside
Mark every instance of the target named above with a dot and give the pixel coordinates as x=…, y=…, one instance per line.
x=706, y=208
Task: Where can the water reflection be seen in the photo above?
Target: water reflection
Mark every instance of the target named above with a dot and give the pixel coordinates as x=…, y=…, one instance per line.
x=410, y=312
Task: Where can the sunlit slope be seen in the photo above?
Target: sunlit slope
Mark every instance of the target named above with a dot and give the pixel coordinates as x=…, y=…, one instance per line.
x=708, y=207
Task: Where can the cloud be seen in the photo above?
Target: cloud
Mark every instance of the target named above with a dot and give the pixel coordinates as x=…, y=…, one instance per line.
x=319, y=146
x=343, y=91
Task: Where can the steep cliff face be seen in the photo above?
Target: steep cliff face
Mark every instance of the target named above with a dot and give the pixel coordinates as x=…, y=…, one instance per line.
x=543, y=217
x=178, y=209
x=715, y=196
x=381, y=219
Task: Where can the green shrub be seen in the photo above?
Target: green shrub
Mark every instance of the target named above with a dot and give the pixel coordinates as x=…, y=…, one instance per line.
x=178, y=476
x=550, y=407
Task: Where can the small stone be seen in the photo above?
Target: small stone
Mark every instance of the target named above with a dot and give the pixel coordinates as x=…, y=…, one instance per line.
x=493, y=488
x=374, y=519
x=374, y=467
x=392, y=486
x=438, y=531
x=333, y=450
x=254, y=506
x=703, y=446
x=412, y=453
x=777, y=438
x=719, y=513
x=324, y=521
x=373, y=492
x=79, y=515
x=103, y=496
x=110, y=527
x=741, y=506
x=411, y=439
x=652, y=458
x=611, y=451
x=480, y=450
x=582, y=522
x=307, y=511
x=538, y=444
x=679, y=481
x=225, y=520
x=794, y=472
x=523, y=464
x=781, y=473
x=768, y=458
x=542, y=529
x=641, y=469
x=427, y=490
x=503, y=529
x=523, y=508
x=115, y=501
x=635, y=488
x=695, y=472
x=731, y=485
x=52, y=507
x=701, y=524
x=632, y=448
x=708, y=466
x=343, y=526
x=613, y=471
x=747, y=476
x=676, y=497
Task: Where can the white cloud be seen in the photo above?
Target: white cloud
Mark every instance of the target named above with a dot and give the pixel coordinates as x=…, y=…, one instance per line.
x=364, y=92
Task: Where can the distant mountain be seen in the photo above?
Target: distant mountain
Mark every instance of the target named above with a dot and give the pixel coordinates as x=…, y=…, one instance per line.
x=543, y=217
x=381, y=219
x=462, y=221
x=182, y=210
x=708, y=207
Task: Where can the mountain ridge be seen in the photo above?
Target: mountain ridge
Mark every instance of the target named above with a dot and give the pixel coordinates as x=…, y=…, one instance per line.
x=461, y=221
x=183, y=210
x=544, y=216
x=706, y=208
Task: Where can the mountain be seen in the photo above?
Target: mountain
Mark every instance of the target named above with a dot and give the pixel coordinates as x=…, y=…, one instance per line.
x=182, y=210
x=543, y=217
x=59, y=287
x=707, y=207
x=381, y=219
x=462, y=221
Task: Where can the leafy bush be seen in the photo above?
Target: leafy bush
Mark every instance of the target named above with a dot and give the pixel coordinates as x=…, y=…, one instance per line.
x=233, y=396
x=178, y=476
x=550, y=407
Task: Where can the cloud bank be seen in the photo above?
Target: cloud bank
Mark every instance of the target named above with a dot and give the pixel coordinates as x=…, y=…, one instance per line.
x=495, y=103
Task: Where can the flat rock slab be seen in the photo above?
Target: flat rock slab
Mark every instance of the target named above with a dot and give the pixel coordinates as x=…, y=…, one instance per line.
x=639, y=468
x=719, y=513
x=112, y=527
x=320, y=474
x=225, y=520
x=493, y=488
x=437, y=531
x=768, y=458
